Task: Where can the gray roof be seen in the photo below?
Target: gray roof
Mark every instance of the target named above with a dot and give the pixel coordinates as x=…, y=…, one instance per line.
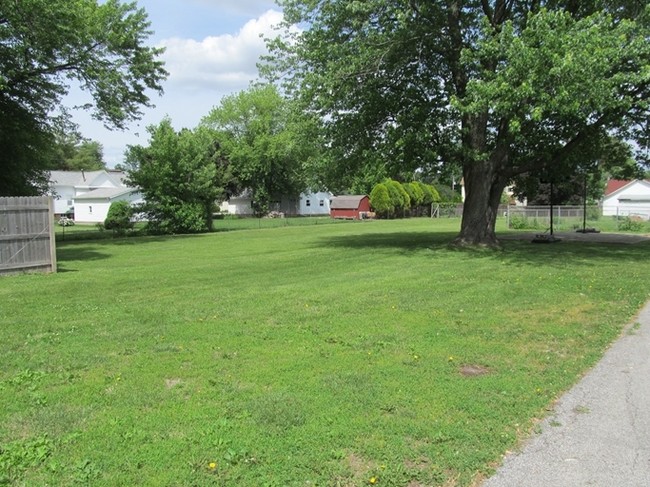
x=104, y=193
x=346, y=202
x=85, y=178
x=73, y=178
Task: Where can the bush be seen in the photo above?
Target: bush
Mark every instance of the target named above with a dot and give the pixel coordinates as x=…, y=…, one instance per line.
x=64, y=221
x=523, y=223
x=380, y=200
x=399, y=198
x=119, y=217
x=176, y=218
x=429, y=193
x=630, y=224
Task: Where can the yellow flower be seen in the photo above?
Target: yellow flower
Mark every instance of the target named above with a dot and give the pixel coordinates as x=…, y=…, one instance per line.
x=372, y=480
x=212, y=466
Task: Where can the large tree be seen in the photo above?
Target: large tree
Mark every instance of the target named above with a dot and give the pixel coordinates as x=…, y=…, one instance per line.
x=268, y=143
x=181, y=175
x=498, y=88
x=47, y=45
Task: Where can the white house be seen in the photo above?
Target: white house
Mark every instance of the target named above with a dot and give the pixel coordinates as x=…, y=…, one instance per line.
x=89, y=193
x=627, y=198
x=92, y=207
x=307, y=204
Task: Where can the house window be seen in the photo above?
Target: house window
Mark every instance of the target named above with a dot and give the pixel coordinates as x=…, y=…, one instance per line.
x=69, y=203
x=308, y=203
x=322, y=203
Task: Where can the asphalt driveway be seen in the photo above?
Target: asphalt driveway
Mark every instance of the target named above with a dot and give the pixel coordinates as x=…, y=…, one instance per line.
x=599, y=432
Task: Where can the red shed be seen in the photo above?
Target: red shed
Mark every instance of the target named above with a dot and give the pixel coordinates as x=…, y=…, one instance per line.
x=349, y=206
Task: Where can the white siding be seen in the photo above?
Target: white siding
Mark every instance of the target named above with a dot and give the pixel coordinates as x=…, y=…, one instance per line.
x=308, y=204
x=631, y=200
x=96, y=210
x=315, y=203
x=237, y=206
x=91, y=211
x=64, y=199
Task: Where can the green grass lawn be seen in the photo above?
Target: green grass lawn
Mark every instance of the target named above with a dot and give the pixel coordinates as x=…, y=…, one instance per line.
x=323, y=355
x=93, y=231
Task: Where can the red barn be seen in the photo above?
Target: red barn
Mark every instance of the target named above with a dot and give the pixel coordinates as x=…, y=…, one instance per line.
x=352, y=207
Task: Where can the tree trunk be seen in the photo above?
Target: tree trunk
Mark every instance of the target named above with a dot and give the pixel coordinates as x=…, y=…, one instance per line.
x=483, y=189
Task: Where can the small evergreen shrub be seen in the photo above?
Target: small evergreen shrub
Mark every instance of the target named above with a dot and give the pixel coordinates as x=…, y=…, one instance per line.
x=380, y=200
x=119, y=217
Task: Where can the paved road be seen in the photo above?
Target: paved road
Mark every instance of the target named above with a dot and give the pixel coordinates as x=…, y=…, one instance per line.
x=599, y=432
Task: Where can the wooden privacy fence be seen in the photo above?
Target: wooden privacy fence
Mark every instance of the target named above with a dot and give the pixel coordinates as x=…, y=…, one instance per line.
x=27, y=235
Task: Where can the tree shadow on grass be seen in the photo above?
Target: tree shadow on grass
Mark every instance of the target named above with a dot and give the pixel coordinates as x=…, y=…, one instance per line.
x=515, y=252
x=398, y=241
x=77, y=253
x=91, y=250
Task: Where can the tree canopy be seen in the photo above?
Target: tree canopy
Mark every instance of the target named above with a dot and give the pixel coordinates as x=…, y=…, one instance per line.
x=268, y=143
x=72, y=152
x=47, y=45
x=181, y=175
x=496, y=88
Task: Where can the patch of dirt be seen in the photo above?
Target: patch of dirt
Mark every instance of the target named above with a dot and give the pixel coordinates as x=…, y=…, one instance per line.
x=421, y=464
x=359, y=466
x=470, y=370
x=171, y=383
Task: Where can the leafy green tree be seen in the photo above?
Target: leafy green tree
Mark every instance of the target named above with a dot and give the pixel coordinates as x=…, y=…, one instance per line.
x=119, y=217
x=607, y=158
x=497, y=87
x=71, y=152
x=380, y=200
x=415, y=193
x=46, y=45
x=181, y=175
x=268, y=143
x=24, y=152
x=403, y=201
x=88, y=155
x=444, y=193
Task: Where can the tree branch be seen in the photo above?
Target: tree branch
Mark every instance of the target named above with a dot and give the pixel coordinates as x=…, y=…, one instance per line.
x=52, y=69
x=487, y=10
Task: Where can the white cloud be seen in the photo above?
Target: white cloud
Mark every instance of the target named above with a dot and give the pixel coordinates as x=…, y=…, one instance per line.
x=201, y=73
x=221, y=62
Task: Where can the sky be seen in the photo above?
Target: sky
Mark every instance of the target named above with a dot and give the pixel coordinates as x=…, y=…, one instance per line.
x=212, y=47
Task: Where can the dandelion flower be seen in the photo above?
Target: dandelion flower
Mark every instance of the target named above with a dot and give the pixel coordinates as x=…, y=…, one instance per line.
x=372, y=480
x=212, y=465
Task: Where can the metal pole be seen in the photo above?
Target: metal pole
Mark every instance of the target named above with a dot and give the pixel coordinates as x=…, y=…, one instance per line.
x=584, y=207
x=551, y=201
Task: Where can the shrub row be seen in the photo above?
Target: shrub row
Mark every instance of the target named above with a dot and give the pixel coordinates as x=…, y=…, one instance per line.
x=391, y=198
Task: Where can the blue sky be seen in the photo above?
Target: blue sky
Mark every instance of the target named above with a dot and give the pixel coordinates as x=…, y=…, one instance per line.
x=212, y=47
